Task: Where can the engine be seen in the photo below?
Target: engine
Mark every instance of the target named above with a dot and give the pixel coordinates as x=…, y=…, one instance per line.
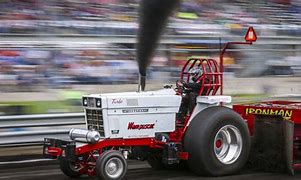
x=131, y=114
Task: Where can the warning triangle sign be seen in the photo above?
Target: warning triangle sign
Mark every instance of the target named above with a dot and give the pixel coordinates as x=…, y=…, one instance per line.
x=251, y=35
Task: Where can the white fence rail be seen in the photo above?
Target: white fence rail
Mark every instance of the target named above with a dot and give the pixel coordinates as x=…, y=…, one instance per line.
x=27, y=130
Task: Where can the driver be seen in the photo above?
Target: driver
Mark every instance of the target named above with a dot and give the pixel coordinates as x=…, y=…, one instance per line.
x=192, y=90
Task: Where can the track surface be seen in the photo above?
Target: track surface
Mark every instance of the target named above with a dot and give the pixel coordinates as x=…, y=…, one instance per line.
x=137, y=170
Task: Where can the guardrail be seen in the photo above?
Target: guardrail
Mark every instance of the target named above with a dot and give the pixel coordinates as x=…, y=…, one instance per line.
x=26, y=130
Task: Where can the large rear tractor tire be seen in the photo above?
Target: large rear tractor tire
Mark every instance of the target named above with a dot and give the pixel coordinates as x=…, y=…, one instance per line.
x=218, y=142
x=111, y=165
x=69, y=168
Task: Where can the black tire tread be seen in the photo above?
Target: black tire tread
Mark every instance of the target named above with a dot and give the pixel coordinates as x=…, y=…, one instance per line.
x=66, y=169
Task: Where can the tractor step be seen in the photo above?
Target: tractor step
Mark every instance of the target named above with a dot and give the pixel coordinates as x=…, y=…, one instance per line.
x=170, y=153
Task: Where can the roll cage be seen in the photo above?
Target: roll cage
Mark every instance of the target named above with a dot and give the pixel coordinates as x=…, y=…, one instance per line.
x=210, y=79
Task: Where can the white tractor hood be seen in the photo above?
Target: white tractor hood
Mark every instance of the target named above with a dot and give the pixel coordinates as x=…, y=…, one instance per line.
x=137, y=114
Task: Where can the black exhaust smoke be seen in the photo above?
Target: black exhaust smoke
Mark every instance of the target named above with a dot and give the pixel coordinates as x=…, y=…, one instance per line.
x=153, y=17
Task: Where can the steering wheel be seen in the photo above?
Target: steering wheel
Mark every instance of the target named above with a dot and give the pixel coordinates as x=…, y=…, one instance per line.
x=180, y=86
x=180, y=83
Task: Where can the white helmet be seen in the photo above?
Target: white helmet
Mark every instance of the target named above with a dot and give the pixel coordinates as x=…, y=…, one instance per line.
x=196, y=71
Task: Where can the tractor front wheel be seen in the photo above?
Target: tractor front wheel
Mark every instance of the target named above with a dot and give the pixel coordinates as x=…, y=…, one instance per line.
x=111, y=165
x=218, y=142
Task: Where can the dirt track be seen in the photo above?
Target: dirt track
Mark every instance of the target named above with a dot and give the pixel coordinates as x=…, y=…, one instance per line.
x=136, y=170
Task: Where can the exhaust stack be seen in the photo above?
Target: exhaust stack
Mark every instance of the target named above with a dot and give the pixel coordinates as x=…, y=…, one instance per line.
x=141, y=85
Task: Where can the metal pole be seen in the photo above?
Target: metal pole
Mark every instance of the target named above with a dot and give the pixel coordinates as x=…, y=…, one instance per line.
x=222, y=60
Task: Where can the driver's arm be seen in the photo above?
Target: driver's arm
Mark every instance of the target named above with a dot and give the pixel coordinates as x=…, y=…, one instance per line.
x=193, y=85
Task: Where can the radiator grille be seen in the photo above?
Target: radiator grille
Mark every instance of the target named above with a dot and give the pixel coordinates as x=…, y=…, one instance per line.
x=95, y=121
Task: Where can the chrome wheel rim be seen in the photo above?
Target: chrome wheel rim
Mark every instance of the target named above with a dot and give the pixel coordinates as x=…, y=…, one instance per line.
x=114, y=167
x=228, y=144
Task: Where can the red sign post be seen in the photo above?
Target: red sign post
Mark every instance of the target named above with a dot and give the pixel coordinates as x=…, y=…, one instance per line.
x=250, y=38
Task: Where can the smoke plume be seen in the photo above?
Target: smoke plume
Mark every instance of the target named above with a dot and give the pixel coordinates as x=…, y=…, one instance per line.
x=153, y=17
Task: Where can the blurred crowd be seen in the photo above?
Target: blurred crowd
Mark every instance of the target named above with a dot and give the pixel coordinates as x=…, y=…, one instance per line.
x=120, y=16
x=30, y=68
x=67, y=16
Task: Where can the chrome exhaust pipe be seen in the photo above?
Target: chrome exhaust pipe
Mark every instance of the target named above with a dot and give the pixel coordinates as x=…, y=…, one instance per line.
x=141, y=85
x=85, y=135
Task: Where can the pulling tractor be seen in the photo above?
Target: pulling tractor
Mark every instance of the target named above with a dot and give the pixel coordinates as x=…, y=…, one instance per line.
x=157, y=126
